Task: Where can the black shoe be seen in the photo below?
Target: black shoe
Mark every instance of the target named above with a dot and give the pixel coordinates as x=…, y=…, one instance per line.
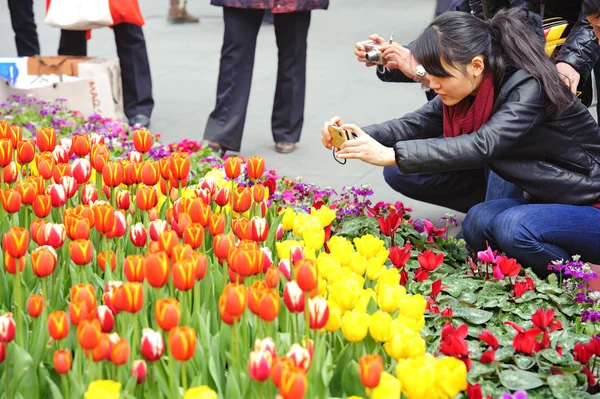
x=140, y=120
x=215, y=147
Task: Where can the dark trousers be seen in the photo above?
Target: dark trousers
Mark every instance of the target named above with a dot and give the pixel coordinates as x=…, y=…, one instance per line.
x=135, y=67
x=23, y=24
x=226, y=122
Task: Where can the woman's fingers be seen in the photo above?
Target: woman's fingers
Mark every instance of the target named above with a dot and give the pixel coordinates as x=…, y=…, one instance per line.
x=336, y=121
x=354, y=127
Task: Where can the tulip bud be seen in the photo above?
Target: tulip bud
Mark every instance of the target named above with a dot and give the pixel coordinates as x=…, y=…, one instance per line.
x=7, y=328
x=62, y=360
x=279, y=232
x=272, y=277
x=296, y=254
x=182, y=343
x=222, y=196
x=54, y=235
x=293, y=297
x=259, y=365
x=167, y=313
x=35, y=305
x=57, y=195
x=142, y=140
x=81, y=145
x=285, y=269
x=152, y=345
x=138, y=234
x=156, y=228
x=300, y=356
x=43, y=261
x=123, y=200
x=139, y=370
x=318, y=312
x=11, y=200
x=371, y=367
x=106, y=318
x=266, y=259
x=89, y=194
x=58, y=325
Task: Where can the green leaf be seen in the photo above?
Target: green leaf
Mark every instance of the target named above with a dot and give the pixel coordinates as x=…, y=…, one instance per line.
x=504, y=353
x=23, y=370
x=335, y=386
x=524, y=362
x=457, y=286
x=552, y=356
x=520, y=379
x=351, y=380
x=56, y=394
x=497, y=301
x=479, y=369
x=475, y=316
x=562, y=385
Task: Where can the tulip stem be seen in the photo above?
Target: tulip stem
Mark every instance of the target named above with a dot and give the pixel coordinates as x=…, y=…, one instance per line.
x=6, y=370
x=172, y=380
x=45, y=293
x=183, y=376
x=17, y=288
x=306, y=318
x=65, y=386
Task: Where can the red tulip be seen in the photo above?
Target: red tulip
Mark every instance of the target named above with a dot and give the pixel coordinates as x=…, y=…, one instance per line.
x=152, y=345
x=306, y=274
x=371, y=367
x=7, y=328
x=106, y=318
x=35, y=305
x=139, y=370
x=318, y=312
x=259, y=365
x=293, y=297
x=62, y=361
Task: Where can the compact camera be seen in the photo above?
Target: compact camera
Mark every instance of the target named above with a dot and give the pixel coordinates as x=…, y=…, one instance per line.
x=339, y=136
x=373, y=54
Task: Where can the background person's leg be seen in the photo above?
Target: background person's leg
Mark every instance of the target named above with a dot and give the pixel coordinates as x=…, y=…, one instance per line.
x=225, y=125
x=72, y=42
x=477, y=227
x=537, y=234
x=23, y=24
x=291, y=31
x=135, y=73
x=458, y=190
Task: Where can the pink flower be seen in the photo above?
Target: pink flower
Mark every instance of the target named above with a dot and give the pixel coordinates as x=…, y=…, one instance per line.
x=497, y=273
x=488, y=256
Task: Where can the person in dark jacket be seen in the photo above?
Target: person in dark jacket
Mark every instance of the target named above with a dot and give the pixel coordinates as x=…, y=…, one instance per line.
x=23, y=24
x=501, y=104
x=243, y=19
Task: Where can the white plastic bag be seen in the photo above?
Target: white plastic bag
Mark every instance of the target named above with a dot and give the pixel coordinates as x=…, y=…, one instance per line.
x=79, y=14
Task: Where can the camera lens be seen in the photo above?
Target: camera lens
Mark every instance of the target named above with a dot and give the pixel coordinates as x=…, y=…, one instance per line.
x=373, y=56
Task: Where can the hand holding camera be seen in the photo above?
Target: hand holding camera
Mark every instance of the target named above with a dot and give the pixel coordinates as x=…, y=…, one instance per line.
x=368, y=52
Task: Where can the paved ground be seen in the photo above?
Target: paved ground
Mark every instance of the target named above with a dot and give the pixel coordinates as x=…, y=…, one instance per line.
x=185, y=61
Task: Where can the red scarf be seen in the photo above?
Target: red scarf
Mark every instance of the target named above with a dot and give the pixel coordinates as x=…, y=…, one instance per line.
x=468, y=115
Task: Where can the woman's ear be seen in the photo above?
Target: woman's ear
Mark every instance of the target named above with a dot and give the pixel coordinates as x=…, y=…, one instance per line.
x=478, y=65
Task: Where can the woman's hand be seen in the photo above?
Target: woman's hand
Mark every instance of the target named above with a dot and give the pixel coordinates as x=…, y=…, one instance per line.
x=325, y=135
x=397, y=56
x=569, y=75
x=361, y=52
x=366, y=148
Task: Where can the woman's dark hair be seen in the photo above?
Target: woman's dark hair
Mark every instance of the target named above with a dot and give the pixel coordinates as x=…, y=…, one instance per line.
x=591, y=8
x=506, y=42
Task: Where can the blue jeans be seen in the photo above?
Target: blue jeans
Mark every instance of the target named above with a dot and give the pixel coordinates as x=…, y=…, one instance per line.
x=534, y=234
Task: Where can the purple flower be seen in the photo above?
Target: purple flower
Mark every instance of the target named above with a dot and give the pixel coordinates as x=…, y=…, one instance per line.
x=517, y=395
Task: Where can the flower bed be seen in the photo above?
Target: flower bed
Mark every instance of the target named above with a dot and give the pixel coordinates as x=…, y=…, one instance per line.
x=134, y=269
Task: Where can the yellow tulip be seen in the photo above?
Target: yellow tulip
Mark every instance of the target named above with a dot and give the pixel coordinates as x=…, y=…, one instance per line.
x=369, y=245
x=314, y=239
x=325, y=215
x=364, y=299
x=342, y=249
x=345, y=293
x=304, y=222
x=355, y=325
x=325, y=263
x=388, y=298
x=203, y=392
x=335, y=317
x=380, y=326
x=288, y=218
x=322, y=287
x=103, y=389
x=374, y=269
x=410, y=323
x=417, y=377
x=335, y=274
x=450, y=377
x=283, y=248
x=413, y=306
x=382, y=255
x=358, y=264
x=389, y=277
x=388, y=388
x=405, y=344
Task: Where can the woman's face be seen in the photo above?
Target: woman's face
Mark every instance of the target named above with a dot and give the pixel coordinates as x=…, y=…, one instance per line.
x=463, y=82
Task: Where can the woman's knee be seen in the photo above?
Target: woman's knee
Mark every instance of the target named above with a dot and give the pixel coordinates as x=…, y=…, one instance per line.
x=476, y=225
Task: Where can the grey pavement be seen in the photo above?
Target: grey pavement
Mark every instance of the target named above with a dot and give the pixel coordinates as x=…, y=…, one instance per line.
x=184, y=61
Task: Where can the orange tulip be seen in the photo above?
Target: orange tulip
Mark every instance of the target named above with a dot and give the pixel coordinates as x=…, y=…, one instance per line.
x=88, y=333
x=11, y=200
x=81, y=144
x=199, y=211
x=135, y=171
x=60, y=170
x=179, y=166
x=168, y=239
x=62, y=361
x=142, y=140
x=104, y=217
x=258, y=192
x=120, y=352
x=235, y=299
x=242, y=199
x=222, y=244
x=163, y=163
x=255, y=294
x=45, y=165
x=371, y=367
x=128, y=297
x=134, y=268
x=216, y=224
x=42, y=205
x=58, y=325
x=25, y=151
x=102, y=351
x=233, y=167
x=35, y=305
x=4, y=129
x=46, y=139
x=78, y=311
x=182, y=343
x=27, y=189
x=150, y=173
x=269, y=305
x=16, y=241
x=241, y=228
x=244, y=260
x=279, y=364
x=256, y=167
x=181, y=223
x=10, y=173
x=77, y=227
x=293, y=383
x=272, y=277
x=193, y=235
x=181, y=252
x=15, y=134
x=99, y=156
x=6, y=152
x=128, y=172
x=112, y=174
x=35, y=228
x=10, y=263
x=226, y=317
x=83, y=293
x=157, y=268
x=80, y=251
x=167, y=313
x=306, y=274
x=184, y=274
x=101, y=259
x=43, y=261
x=199, y=260
x=146, y=197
